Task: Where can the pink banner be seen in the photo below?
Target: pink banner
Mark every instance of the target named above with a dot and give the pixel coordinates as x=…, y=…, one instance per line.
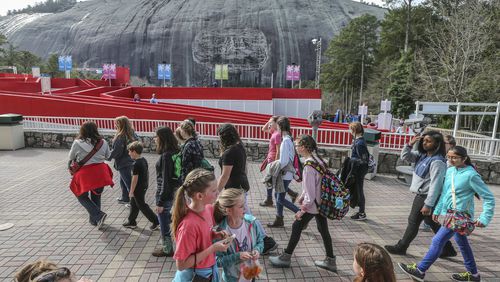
x=109, y=71
x=289, y=72
x=296, y=73
x=292, y=72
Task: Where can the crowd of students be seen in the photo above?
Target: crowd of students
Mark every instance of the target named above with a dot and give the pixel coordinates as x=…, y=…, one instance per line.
x=205, y=221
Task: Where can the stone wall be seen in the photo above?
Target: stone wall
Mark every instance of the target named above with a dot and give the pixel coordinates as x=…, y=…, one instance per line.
x=257, y=151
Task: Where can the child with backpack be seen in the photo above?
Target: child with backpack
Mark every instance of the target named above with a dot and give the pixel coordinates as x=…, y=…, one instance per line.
x=248, y=242
x=309, y=200
x=167, y=182
x=192, y=227
x=138, y=188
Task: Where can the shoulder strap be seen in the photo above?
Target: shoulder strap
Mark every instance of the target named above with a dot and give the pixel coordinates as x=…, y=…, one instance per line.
x=453, y=197
x=316, y=166
x=92, y=153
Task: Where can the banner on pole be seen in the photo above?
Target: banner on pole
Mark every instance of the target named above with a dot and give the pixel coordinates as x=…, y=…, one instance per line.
x=62, y=63
x=164, y=71
x=109, y=71
x=69, y=63
x=292, y=72
x=221, y=72
x=65, y=63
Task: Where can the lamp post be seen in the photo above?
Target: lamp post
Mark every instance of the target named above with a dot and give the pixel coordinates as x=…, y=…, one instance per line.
x=317, y=48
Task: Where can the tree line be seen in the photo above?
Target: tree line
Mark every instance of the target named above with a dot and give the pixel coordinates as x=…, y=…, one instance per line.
x=48, y=6
x=25, y=60
x=440, y=50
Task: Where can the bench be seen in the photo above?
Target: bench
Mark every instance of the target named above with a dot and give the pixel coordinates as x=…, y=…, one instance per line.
x=405, y=174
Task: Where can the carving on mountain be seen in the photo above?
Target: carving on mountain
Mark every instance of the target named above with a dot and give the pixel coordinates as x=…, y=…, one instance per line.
x=241, y=49
x=257, y=38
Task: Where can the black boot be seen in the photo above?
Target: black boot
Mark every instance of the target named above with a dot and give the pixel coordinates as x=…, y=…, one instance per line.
x=293, y=195
x=396, y=249
x=267, y=203
x=269, y=245
x=278, y=222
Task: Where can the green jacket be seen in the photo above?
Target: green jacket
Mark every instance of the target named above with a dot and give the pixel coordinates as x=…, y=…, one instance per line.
x=230, y=260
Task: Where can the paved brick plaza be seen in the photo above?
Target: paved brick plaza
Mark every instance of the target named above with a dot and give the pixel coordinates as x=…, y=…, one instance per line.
x=50, y=223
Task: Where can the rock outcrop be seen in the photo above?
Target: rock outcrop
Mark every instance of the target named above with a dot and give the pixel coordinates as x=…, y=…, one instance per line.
x=256, y=38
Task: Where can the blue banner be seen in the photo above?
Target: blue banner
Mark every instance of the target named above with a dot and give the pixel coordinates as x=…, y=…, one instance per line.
x=69, y=63
x=62, y=63
x=164, y=72
x=161, y=71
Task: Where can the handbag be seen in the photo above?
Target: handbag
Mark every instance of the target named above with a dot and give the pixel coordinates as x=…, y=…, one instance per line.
x=74, y=166
x=458, y=221
x=264, y=165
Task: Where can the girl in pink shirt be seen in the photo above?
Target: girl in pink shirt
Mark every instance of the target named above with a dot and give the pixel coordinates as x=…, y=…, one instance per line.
x=311, y=192
x=192, y=227
x=273, y=154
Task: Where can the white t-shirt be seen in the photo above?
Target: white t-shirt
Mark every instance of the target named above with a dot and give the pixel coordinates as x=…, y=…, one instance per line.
x=243, y=241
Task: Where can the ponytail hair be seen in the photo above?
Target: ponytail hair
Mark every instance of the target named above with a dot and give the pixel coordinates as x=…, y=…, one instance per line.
x=197, y=181
x=311, y=146
x=228, y=198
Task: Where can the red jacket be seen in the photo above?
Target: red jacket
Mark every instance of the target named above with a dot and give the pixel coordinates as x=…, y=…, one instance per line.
x=91, y=177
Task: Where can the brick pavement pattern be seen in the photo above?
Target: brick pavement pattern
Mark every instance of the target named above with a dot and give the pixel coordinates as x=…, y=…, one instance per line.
x=51, y=224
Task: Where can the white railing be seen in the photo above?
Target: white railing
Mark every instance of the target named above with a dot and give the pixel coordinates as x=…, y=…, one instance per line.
x=477, y=147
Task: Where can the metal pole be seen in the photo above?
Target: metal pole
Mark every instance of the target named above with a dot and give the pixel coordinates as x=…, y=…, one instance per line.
x=495, y=124
x=417, y=107
x=457, y=119
x=272, y=79
x=292, y=82
x=67, y=73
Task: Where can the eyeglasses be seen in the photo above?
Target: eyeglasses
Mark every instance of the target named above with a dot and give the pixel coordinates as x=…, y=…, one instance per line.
x=53, y=276
x=454, y=158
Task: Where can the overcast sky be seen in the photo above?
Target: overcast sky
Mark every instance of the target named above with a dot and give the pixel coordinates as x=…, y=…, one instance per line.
x=6, y=5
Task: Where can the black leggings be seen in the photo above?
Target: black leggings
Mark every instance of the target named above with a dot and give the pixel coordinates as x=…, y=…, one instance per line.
x=297, y=227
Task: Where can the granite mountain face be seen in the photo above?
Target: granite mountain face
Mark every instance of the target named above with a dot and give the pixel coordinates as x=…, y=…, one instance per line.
x=255, y=37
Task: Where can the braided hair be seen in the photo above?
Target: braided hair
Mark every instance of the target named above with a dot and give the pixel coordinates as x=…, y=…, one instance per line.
x=197, y=181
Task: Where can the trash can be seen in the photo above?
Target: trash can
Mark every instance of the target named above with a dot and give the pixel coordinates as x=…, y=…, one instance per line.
x=372, y=138
x=11, y=132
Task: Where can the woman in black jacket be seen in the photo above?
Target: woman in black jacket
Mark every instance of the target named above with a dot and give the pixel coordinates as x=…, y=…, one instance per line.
x=167, y=183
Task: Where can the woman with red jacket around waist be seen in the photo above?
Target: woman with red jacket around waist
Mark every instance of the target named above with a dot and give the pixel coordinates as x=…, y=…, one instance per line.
x=88, y=182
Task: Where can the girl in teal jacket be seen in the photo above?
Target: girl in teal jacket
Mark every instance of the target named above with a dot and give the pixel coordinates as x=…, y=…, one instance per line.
x=466, y=182
x=248, y=242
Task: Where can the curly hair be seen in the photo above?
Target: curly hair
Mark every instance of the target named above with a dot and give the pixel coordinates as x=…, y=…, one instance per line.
x=228, y=136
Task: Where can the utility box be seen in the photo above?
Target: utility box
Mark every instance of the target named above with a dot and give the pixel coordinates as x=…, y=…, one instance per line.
x=11, y=132
x=372, y=138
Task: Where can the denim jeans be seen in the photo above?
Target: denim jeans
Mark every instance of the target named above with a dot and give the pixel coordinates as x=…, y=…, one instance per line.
x=281, y=201
x=322, y=224
x=91, y=201
x=165, y=218
x=439, y=240
x=125, y=180
x=138, y=203
x=414, y=220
